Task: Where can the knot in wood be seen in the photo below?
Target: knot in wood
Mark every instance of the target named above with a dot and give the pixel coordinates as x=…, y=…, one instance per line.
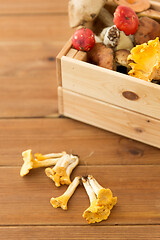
x=130, y=95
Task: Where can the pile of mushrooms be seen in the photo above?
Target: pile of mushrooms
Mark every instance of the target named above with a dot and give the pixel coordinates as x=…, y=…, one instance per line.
x=101, y=199
x=110, y=41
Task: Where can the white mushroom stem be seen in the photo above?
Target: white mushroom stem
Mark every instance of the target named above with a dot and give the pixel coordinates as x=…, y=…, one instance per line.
x=106, y=17
x=45, y=163
x=89, y=190
x=63, y=199
x=68, y=159
x=40, y=156
x=64, y=162
x=94, y=184
x=72, y=165
x=61, y=172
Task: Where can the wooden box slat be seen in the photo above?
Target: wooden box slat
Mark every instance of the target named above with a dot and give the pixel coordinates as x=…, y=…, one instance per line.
x=109, y=86
x=124, y=122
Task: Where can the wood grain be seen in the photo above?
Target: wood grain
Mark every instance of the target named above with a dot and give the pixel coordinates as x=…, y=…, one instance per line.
x=39, y=28
x=79, y=232
x=26, y=200
x=108, y=86
x=112, y=118
x=30, y=7
x=28, y=79
x=93, y=145
x=27, y=64
x=62, y=53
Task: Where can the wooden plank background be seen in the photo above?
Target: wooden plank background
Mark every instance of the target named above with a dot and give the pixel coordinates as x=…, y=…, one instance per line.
x=31, y=35
x=29, y=43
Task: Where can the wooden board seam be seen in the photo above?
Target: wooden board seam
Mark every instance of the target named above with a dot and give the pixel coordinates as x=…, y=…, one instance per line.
x=111, y=104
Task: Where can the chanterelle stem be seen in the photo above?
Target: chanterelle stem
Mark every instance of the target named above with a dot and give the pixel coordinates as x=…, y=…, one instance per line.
x=89, y=190
x=94, y=184
x=63, y=199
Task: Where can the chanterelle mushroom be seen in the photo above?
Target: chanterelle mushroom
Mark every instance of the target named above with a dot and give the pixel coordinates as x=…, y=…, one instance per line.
x=63, y=199
x=41, y=161
x=61, y=172
x=104, y=195
x=145, y=61
x=101, y=201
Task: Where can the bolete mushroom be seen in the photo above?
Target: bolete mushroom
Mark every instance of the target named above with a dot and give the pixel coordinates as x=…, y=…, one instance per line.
x=136, y=5
x=102, y=56
x=121, y=57
x=148, y=29
x=150, y=13
x=82, y=11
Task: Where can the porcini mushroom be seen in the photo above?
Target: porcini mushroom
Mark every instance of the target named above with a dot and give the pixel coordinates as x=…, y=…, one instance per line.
x=150, y=13
x=148, y=29
x=136, y=5
x=121, y=57
x=94, y=213
x=102, y=56
x=63, y=199
x=83, y=11
x=42, y=161
x=61, y=172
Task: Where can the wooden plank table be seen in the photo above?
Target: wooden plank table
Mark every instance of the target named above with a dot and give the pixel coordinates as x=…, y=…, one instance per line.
x=31, y=35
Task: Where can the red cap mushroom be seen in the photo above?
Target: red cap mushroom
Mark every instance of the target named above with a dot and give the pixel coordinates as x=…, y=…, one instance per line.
x=126, y=20
x=83, y=39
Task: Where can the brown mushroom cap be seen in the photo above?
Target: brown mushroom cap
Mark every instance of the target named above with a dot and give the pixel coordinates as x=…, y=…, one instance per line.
x=148, y=29
x=136, y=5
x=102, y=56
x=150, y=13
x=121, y=57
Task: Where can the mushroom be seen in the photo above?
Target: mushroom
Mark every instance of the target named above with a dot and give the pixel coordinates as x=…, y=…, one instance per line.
x=121, y=57
x=105, y=17
x=41, y=161
x=145, y=61
x=63, y=199
x=95, y=213
x=41, y=157
x=83, y=11
x=104, y=195
x=112, y=37
x=102, y=56
x=150, y=13
x=148, y=29
x=136, y=5
x=61, y=172
x=97, y=39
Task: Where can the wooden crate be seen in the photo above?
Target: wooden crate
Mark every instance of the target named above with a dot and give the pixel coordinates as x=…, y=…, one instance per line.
x=110, y=100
